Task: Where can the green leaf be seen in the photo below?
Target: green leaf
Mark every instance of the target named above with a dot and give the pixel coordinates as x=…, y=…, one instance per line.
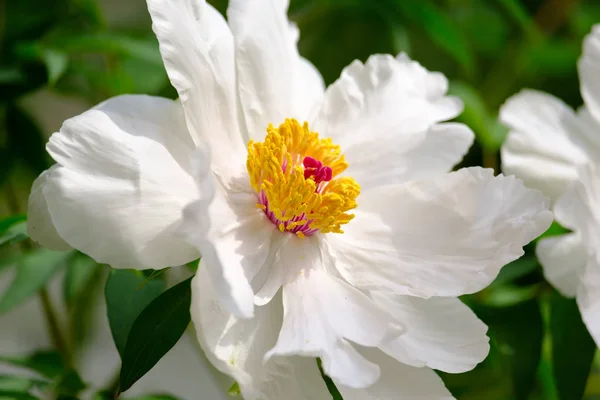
x=15, y=395
x=440, y=28
x=79, y=272
x=56, y=61
x=13, y=229
x=555, y=229
x=515, y=270
x=83, y=285
x=47, y=363
x=572, y=348
x=155, y=331
x=33, y=271
x=509, y=295
x=56, y=64
x=234, y=390
x=152, y=397
x=145, y=49
x=517, y=332
x=488, y=131
x=19, y=384
x=517, y=11
x=70, y=383
x=127, y=294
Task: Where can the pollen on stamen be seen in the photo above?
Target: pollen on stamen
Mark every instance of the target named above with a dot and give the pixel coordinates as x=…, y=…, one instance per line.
x=294, y=174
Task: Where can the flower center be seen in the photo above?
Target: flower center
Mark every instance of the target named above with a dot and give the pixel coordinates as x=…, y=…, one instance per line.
x=293, y=172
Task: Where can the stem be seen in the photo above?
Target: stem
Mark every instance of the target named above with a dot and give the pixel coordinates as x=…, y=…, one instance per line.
x=53, y=326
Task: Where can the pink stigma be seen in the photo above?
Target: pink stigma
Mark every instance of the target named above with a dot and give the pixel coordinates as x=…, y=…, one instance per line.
x=314, y=169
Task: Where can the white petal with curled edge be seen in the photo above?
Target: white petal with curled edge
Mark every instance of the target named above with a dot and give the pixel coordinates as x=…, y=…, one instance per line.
x=322, y=312
x=197, y=49
x=589, y=71
x=274, y=82
x=398, y=381
x=446, y=236
x=384, y=115
x=237, y=348
x=39, y=221
x=541, y=147
x=123, y=181
x=564, y=259
x=441, y=333
x=234, y=238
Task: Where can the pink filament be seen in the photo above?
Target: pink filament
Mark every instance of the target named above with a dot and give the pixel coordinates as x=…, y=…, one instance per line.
x=316, y=170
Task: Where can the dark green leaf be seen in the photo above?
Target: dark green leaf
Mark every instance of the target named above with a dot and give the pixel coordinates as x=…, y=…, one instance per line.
x=516, y=269
x=572, y=348
x=440, y=28
x=127, y=294
x=333, y=390
x=25, y=139
x=47, y=363
x=33, y=271
x=13, y=229
x=520, y=15
x=145, y=49
x=517, y=332
x=70, y=383
x=155, y=331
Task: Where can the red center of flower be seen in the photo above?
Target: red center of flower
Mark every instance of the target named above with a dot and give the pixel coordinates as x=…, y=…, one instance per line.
x=316, y=170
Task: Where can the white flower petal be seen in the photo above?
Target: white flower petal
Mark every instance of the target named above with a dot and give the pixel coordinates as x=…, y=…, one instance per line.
x=39, y=221
x=564, y=259
x=446, y=236
x=579, y=208
x=589, y=71
x=398, y=381
x=234, y=238
x=441, y=333
x=122, y=182
x=274, y=83
x=384, y=114
x=406, y=95
x=588, y=297
x=322, y=312
x=312, y=89
x=197, y=48
x=541, y=147
x=237, y=348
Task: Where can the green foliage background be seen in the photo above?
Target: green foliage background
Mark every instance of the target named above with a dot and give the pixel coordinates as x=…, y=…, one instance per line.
x=70, y=54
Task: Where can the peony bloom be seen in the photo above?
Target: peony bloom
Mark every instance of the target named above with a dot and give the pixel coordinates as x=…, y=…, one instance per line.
x=554, y=149
x=326, y=219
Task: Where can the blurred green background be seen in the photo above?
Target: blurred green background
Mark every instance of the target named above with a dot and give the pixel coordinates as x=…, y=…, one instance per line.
x=59, y=57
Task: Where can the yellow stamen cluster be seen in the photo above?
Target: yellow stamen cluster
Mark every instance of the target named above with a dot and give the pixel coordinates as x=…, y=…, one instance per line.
x=275, y=168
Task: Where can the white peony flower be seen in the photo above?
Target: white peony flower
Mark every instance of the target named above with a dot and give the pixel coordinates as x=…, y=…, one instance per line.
x=556, y=150
x=350, y=244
